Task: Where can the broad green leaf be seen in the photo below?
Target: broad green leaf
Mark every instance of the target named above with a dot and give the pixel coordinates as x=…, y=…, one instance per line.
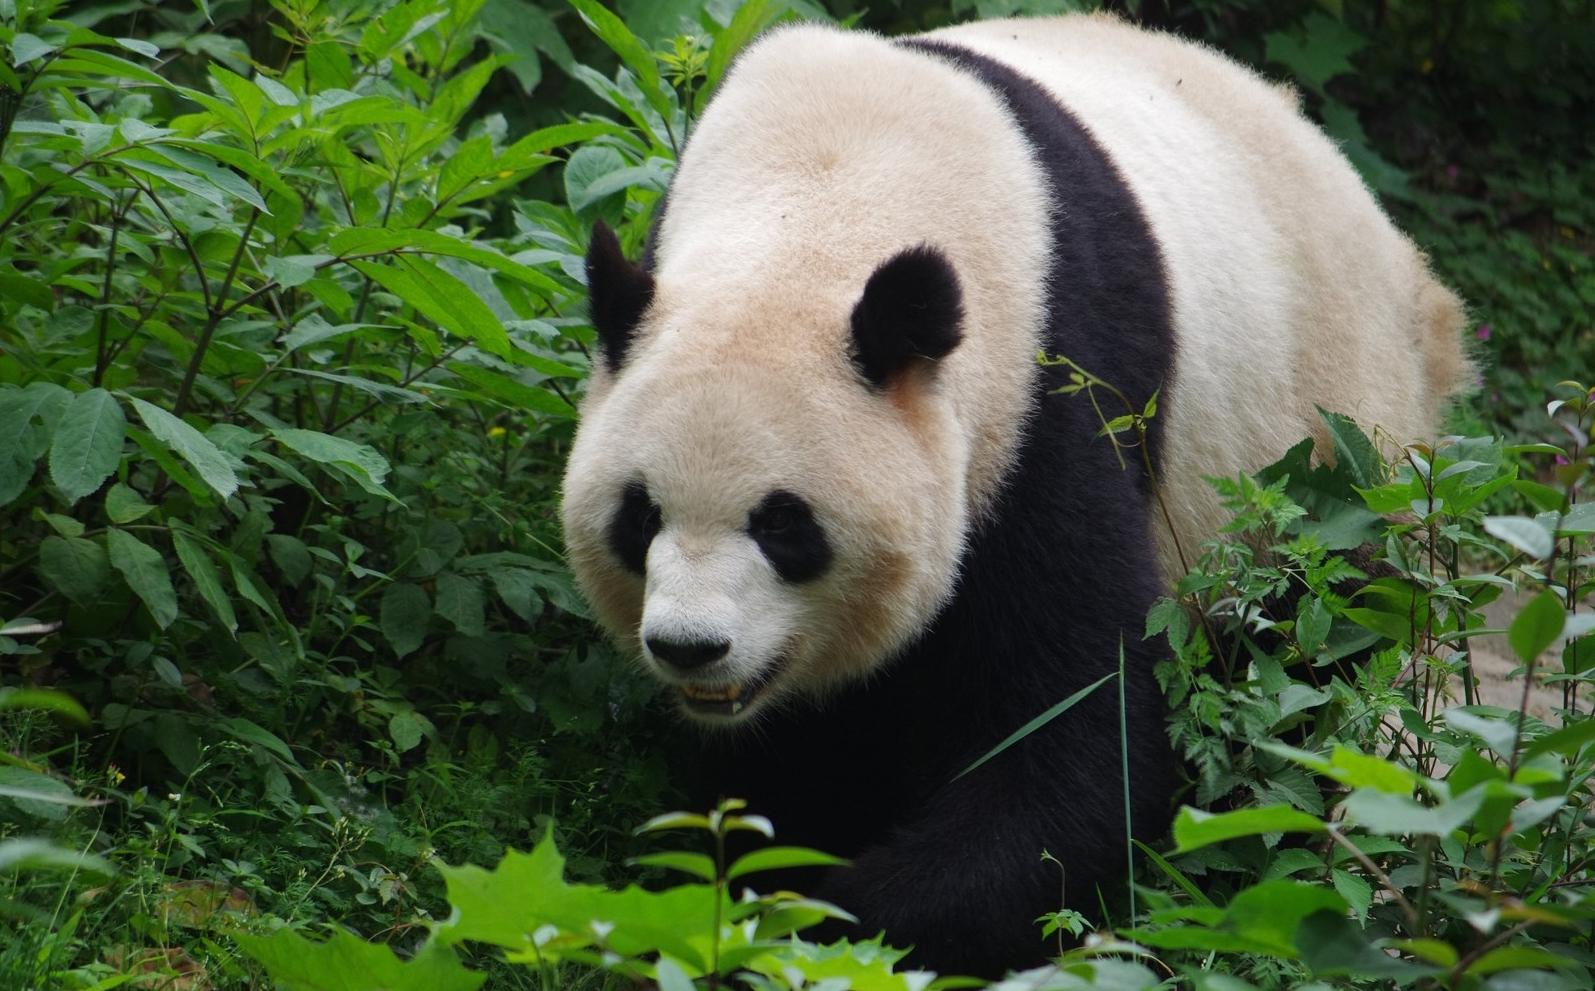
x=368, y=242
x=441, y=298
x=614, y=33
x=360, y=462
x=586, y=166
x=27, y=47
x=38, y=795
x=459, y=600
x=1260, y=919
x=347, y=963
x=207, y=460
x=527, y=892
x=407, y=728
x=1537, y=625
x=511, y=392
x=77, y=568
x=1493, y=733
x=405, y=614
x=1355, y=454
x=146, y=574
x=1194, y=829
x=1520, y=958
x=777, y=857
x=249, y=732
x=1525, y=534
x=1401, y=815
x=1333, y=945
x=207, y=580
x=124, y=505
x=88, y=444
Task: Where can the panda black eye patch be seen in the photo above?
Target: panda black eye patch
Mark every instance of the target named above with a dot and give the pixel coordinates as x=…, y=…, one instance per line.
x=784, y=527
x=634, y=527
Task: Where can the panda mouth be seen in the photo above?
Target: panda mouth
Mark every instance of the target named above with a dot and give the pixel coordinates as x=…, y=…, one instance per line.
x=728, y=700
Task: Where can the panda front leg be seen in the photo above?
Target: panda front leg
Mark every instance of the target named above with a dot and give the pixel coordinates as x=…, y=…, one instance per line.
x=964, y=883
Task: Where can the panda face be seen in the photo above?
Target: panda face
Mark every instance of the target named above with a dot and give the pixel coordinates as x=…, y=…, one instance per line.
x=756, y=535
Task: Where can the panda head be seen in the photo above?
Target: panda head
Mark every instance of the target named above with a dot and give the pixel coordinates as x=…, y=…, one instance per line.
x=766, y=495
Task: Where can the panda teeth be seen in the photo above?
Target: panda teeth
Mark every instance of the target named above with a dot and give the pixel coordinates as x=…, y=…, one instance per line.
x=724, y=693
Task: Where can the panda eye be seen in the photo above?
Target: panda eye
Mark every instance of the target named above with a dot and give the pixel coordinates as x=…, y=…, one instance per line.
x=774, y=520
x=635, y=525
x=794, y=543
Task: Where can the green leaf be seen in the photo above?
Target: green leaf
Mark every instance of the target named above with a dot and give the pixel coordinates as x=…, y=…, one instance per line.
x=146, y=574
x=527, y=892
x=1401, y=815
x=459, y=600
x=77, y=568
x=212, y=466
x=1521, y=532
x=441, y=298
x=405, y=613
x=348, y=963
x=1038, y=722
x=27, y=47
x=614, y=33
x=33, y=855
x=1260, y=919
x=777, y=857
x=1194, y=829
x=1519, y=958
x=359, y=462
x=1333, y=945
x=1355, y=454
x=1537, y=625
x=207, y=580
x=587, y=166
x=407, y=728
x=88, y=443
x=698, y=865
x=1318, y=51
x=1496, y=734
x=511, y=392
x=123, y=504
x=250, y=732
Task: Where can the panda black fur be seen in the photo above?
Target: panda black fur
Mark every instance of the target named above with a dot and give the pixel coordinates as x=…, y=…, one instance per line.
x=820, y=487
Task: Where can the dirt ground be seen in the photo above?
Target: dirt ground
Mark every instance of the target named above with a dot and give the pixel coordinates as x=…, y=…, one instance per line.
x=1493, y=661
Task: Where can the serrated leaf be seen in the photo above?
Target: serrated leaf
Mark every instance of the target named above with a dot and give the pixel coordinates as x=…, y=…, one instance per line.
x=459, y=600
x=88, y=443
x=405, y=613
x=347, y=963
x=441, y=298
x=75, y=567
x=202, y=455
x=360, y=462
x=146, y=574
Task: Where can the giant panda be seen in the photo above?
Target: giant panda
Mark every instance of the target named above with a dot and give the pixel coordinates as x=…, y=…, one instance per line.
x=819, y=485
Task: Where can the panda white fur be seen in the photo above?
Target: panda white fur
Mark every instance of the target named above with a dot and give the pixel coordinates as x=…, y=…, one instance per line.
x=818, y=484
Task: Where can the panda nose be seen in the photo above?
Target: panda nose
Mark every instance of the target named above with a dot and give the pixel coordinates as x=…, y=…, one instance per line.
x=686, y=655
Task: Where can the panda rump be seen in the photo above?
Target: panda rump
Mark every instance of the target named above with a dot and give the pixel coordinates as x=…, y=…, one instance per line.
x=865, y=246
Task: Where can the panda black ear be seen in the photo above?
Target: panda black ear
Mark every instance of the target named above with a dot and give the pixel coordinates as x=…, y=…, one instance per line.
x=911, y=308
x=618, y=294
